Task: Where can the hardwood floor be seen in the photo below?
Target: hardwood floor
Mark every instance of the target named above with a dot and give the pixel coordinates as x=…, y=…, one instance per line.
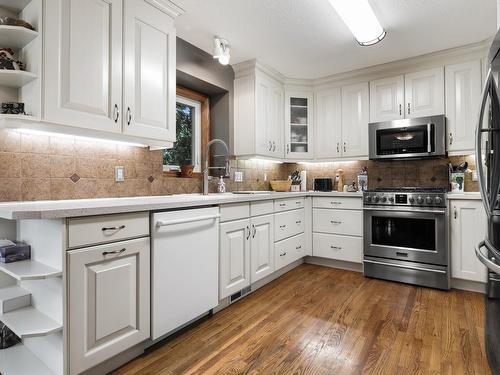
x=316, y=320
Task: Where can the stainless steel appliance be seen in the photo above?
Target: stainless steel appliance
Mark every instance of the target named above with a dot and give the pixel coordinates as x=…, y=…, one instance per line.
x=488, y=167
x=406, y=236
x=409, y=138
x=323, y=184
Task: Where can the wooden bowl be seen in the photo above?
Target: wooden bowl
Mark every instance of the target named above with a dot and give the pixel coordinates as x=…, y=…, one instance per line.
x=281, y=185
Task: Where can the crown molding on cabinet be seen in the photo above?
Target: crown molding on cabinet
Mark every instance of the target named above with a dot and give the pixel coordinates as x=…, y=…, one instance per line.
x=450, y=56
x=168, y=7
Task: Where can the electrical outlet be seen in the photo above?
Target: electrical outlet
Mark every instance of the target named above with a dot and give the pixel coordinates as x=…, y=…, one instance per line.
x=238, y=176
x=119, y=174
x=474, y=175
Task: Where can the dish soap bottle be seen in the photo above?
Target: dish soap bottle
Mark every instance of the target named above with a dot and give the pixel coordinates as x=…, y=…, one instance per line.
x=221, y=186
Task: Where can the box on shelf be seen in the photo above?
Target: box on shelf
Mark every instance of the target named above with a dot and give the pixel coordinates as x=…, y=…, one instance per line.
x=14, y=251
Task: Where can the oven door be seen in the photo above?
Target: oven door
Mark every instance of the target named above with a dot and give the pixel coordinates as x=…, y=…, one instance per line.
x=411, y=138
x=416, y=236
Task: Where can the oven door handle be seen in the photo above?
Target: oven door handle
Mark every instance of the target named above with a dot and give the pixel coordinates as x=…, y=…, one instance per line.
x=484, y=259
x=404, y=266
x=440, y=212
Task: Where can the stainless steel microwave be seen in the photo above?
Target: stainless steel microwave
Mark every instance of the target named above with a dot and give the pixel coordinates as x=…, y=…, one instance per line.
x=415, y=138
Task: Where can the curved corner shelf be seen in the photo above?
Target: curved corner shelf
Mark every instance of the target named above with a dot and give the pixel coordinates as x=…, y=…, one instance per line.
x=29, y=270
x=15, y=78
x=18, y=117
x=16, y=36
x=19, y=360
x=29, y=322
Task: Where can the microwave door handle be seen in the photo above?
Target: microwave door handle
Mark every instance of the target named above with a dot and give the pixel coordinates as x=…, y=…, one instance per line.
x=429, y=147
x=479, y=157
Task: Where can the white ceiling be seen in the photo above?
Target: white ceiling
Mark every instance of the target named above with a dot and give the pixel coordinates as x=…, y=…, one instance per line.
x=307, y=39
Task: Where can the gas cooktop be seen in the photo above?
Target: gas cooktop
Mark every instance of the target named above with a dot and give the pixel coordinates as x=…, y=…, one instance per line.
x=406, y=196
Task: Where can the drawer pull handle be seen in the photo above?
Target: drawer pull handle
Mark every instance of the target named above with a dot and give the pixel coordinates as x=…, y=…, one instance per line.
x=298, y=202
x=113, y=228
x=283, y=226
x=283, y=254
x=336, y=203
x=335, y=222
x=298, y=247
x=282, y=204
x=298, y=222
x=113, y=252
x=335, y=247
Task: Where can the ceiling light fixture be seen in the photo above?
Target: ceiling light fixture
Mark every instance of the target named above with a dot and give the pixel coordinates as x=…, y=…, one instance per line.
x=221, y=50
x=359, y=17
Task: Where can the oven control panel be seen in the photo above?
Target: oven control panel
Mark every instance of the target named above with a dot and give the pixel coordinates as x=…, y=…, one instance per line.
x=420, y=199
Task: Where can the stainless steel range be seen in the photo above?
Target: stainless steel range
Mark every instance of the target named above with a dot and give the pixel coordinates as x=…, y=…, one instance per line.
x=406, y=236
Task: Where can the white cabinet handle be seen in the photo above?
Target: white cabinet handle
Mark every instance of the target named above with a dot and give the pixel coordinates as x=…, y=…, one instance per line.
x=274, y=146
x=298, y=247
x=335, y=222
x=105, y=229
x=282, y=204
x=455, y=213
x=298, y=222
x=254, y=231
x=451, y=138
x=298, y=202
x=270, y=146
x=338, y=146
x=249, y=232
x=335, y=203
x=129, y=116
x=345, y=149
x=283, y=226
x=116, y=113
x=400, y=109
x=161, y=223
x=283, y=254
x=335, y=247
x=113, y=252
x=408, y=108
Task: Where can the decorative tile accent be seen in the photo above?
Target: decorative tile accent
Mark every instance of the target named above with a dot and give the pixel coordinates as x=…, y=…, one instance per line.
x=151, y=179
x=75, y=178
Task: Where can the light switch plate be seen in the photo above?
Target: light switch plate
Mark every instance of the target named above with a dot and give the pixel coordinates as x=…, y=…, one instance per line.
x=238, y=176
x=119, y=174
x=474, y=175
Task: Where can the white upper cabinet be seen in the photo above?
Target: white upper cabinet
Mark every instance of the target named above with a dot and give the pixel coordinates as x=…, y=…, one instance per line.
x=387, y=99
x=149, y=72
x=258, y=114
x=424, y=93
x=328, y=124
x=83, y=63
x=355, y=116
x=463, y=92
x=298, y=125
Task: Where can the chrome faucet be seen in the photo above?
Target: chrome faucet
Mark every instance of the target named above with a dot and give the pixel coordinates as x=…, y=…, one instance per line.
x=207, y=168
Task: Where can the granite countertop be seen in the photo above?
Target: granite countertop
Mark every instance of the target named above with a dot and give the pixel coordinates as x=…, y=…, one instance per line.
x=88, y=207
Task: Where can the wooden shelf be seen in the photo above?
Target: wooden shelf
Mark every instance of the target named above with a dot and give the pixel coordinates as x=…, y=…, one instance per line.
x=16, y=36
x=15, y=78
x=29, y=270
x=29, y=322
x=18, y=360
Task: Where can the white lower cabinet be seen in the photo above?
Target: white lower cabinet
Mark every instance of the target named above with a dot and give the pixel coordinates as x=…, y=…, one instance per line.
x=234, y=253
x=333, y=246
x=467, y=229
x=108, y=302
x=289, y=250
x=289, y=223
x=348, y=222
x=262, y=247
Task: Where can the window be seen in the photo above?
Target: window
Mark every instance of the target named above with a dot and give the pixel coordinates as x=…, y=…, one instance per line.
x=191, y=129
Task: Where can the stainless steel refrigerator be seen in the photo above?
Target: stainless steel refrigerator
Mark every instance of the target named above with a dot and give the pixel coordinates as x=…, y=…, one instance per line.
x=488, y=167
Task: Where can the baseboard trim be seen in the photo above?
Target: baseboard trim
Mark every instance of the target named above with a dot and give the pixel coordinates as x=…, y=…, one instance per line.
x=117, y=361
x=470, y=286
x=333, y=263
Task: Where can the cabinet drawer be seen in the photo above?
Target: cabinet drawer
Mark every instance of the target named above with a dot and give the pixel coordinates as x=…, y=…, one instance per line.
x=287, y=224
x=289, y=250
x=333, y=246
x=94, y=230
x=288, y=204
x=261, y=208
x=236, y=211
x=338, y=221
x=348, y=203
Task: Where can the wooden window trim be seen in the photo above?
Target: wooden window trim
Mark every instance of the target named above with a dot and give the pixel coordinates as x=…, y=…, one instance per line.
x=205, y=122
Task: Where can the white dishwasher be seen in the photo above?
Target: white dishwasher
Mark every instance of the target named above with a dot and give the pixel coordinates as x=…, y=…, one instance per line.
x=184, y=265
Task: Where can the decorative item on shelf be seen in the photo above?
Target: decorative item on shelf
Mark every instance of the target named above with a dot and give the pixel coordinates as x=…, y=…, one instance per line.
x=363, y=179
x=14, y=251
x=352, y=187
x=7, y=337
x=281, y=185
x=12, y=108
x=221, y=186
x=8, y=62
x=340, y=180
x=296, y=180
x=187, y=170
x=457, y=177
x=11, y=21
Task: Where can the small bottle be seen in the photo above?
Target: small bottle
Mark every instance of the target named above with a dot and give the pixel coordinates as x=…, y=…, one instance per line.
x=221, y=186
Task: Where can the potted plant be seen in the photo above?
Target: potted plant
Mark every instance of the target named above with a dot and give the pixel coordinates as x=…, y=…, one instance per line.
x=181, y=153
x=296, y=180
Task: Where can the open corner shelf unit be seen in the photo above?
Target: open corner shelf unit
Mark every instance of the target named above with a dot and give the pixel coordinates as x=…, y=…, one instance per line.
x=18, y=360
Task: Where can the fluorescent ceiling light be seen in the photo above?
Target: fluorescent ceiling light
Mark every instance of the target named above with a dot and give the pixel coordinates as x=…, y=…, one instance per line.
x=359, y=17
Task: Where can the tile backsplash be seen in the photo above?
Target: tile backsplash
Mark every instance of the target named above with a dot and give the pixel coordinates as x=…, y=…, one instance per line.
x=41, y=167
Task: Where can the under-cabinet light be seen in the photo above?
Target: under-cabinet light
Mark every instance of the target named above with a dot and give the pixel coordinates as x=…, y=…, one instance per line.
x=267, y=161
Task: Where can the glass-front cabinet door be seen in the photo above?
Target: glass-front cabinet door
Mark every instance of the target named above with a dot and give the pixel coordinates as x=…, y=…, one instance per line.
x=298, y=125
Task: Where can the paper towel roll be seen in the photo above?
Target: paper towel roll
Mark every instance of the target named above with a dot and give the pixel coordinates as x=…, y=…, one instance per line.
x=303, y=180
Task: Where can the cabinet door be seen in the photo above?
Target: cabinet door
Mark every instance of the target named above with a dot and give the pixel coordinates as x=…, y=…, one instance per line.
x=328, y=124
x=276, y=120
x=262, y=247
x=149, y=72
x=424, y=93
x=109, y=301
x=83, y=63
x=387, y=99
x=234, y=257
x=263, y=123
x=463, y=92
x=467, y=229
x=298, y=125
x=355, y=114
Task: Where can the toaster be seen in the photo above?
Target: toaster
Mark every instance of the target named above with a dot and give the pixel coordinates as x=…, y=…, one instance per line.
x=323, y=184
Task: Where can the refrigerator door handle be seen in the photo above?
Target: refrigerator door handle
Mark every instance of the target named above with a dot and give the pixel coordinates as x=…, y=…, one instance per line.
x=484, y=259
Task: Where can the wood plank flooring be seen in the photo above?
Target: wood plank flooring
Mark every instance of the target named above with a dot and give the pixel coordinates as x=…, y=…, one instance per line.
x=316, y=320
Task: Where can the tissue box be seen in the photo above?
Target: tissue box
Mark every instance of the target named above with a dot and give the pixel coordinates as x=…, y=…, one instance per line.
x=14, y=252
